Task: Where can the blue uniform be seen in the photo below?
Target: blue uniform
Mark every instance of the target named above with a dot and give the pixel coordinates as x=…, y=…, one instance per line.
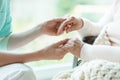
x=5, y=23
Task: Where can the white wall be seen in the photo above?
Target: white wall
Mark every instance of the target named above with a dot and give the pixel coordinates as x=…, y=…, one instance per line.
x=37, y=9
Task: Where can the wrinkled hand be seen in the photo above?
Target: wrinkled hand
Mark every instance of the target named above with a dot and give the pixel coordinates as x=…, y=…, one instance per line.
x=74, y=46
x=70, y=24
x=51, y=27
x=55, y=51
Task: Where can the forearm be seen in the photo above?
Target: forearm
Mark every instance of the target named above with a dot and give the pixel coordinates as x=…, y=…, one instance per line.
x=20, y=39
x=10, y=57
x=90, y=52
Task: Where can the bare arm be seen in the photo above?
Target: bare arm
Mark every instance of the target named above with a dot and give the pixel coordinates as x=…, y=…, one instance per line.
x=9, y=57
x=20, y=39
x=52, y=52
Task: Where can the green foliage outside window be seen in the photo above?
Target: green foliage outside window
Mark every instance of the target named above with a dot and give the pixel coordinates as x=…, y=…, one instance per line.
x=65, y=6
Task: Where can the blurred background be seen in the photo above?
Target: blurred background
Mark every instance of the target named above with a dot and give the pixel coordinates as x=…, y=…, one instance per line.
x=28, y=13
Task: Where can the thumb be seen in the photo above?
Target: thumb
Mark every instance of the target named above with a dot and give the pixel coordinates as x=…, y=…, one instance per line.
x=61, y=28
x=59, y=20
x=70, y=29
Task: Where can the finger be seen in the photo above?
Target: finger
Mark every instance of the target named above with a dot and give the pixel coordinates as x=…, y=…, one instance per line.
x=58, y=25
x=61, y=43
x=70, y=29
x=67, y=23
x=61, y=28
x=69, y=45
x=62, y=51
x=59, y=20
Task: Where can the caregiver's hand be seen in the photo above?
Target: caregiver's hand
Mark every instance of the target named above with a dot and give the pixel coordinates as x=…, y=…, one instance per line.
x=70, y=24
x=51, y=27
x=54, y=51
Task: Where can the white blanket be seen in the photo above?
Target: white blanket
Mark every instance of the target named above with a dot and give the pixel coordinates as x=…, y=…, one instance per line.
x=93, y=70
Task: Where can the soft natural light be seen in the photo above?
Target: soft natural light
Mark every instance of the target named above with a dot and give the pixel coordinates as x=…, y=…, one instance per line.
x=28, y=13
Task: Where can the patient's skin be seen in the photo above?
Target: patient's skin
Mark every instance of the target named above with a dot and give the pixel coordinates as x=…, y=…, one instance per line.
x=70, y=24
x=74, y=46
x=52, y=52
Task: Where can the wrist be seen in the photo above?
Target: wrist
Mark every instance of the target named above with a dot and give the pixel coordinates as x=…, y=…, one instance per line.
x=81, y=23
x=39, y=28
x=80, y=48
x=39, y=55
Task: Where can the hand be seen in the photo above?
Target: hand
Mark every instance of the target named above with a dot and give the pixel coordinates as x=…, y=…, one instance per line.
x=74, y=46
x=55, y=51
x=70, y=24
x=51, y=27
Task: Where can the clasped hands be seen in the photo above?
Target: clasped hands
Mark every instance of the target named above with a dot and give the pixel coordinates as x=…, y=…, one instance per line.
x=56, y=27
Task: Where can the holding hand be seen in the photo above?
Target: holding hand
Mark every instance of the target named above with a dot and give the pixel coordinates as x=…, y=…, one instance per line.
x=55, y=51
x=51, y=27
x=70, y=24
x=74, y=46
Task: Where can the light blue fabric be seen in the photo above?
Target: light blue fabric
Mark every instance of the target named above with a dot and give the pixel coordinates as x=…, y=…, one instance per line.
x=5, y=23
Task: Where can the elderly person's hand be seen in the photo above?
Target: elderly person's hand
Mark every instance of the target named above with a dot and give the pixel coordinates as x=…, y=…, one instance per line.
x=70, y=24
x=50, y=27
x=74, y=46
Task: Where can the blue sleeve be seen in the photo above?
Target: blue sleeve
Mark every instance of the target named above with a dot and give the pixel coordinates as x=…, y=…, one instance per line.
x=5, y=23
x=4, y=43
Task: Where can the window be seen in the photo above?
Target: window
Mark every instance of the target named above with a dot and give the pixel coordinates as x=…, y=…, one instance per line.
x=28, y=13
